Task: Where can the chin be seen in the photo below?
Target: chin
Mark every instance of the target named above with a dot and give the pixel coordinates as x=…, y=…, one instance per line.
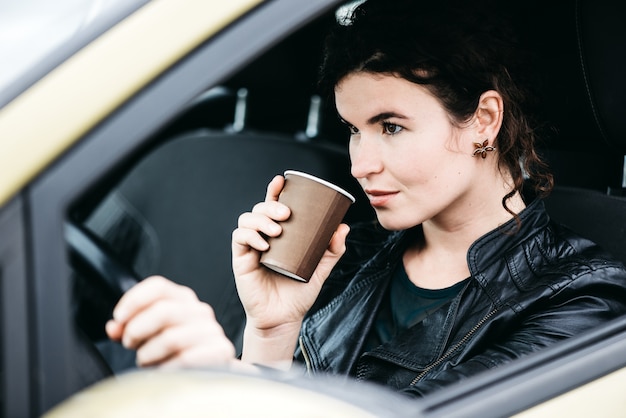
x=392, y=226
x=393, y=222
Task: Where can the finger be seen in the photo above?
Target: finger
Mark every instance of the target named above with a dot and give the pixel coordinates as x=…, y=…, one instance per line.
x=114, y=330
x=245, y=239
x=336, y=249
x=146, y=293
x=337, y=244
x=274, y=188
x=272, y=209
x=164, y=314
x=193, y=344
x=200, y=357
x=254, y=228
x=260, y=222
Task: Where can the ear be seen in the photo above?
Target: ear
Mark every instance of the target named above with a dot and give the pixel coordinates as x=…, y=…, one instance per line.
x=489, y=115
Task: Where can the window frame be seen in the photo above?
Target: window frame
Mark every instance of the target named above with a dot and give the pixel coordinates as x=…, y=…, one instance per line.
x=16, y=394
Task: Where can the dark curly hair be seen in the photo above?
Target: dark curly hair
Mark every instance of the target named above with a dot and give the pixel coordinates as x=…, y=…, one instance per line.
x=455, y=49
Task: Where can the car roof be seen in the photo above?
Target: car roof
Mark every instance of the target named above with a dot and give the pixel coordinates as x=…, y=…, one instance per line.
x=89, y=86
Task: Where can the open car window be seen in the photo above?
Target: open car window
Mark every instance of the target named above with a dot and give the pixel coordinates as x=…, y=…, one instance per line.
x=171, y=210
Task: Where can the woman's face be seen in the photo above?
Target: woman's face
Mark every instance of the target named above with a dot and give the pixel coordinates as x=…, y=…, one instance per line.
x=413, y=163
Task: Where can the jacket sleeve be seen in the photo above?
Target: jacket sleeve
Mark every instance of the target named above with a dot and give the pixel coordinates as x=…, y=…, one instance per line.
x=587, y=302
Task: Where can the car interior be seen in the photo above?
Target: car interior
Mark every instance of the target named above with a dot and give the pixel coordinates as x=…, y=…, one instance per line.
x=171, y=208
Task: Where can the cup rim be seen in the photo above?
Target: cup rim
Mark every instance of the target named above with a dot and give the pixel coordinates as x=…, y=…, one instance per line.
x=322, y=181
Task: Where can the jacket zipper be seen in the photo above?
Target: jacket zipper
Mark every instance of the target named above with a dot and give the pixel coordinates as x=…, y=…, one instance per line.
x=453, y=348
x=305, y=354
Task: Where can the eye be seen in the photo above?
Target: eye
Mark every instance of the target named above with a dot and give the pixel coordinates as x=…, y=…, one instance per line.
x=391, y=128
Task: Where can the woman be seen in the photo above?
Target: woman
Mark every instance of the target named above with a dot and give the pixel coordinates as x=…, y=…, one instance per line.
x=463, y=270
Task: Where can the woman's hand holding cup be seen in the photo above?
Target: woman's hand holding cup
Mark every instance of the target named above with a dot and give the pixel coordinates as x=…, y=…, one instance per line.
x=275, y=304
x=269, y=298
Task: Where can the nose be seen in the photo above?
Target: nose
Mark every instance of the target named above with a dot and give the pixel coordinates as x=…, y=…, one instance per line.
x=365, y=157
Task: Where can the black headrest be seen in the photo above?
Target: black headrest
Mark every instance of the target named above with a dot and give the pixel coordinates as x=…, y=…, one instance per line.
x=602, y=46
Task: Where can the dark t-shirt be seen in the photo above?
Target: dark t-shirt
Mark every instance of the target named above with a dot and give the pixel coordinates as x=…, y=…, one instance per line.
x=405, y=305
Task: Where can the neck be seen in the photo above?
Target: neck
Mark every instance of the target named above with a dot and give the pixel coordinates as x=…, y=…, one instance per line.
x=460, y=229
x=440, y=259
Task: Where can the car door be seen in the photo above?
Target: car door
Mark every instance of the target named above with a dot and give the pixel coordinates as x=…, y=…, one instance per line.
x=42, y=356
x=44, y=361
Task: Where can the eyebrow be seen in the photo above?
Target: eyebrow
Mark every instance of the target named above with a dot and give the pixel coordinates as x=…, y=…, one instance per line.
x=377, y=118
x=384, y=115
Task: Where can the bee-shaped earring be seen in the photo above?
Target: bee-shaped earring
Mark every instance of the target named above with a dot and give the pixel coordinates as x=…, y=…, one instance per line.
x=482, y=149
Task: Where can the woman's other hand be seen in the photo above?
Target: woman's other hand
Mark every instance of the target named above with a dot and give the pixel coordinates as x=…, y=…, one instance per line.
x=169, y=326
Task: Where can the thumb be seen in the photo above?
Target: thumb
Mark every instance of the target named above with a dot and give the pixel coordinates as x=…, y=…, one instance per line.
x=335, y=251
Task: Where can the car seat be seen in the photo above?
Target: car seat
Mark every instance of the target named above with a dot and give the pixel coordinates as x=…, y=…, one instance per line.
x=588, y=107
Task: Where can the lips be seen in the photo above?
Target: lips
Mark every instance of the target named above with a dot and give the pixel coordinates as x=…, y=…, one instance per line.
x=380, y=198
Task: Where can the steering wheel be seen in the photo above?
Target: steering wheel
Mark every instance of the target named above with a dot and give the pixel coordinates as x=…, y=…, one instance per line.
x=92, y=256
x=99, y=280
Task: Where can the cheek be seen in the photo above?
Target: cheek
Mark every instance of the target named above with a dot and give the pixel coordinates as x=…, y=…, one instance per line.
x=442, y=170
x=416, y=170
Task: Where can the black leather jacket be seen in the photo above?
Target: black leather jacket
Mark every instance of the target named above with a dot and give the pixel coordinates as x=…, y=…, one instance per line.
x=528, y=290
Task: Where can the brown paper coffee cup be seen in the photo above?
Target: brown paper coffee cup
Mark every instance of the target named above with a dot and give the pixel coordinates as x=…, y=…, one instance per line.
x=317, y=208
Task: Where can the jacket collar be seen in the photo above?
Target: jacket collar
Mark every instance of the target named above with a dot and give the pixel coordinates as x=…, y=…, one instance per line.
x=493, y=246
